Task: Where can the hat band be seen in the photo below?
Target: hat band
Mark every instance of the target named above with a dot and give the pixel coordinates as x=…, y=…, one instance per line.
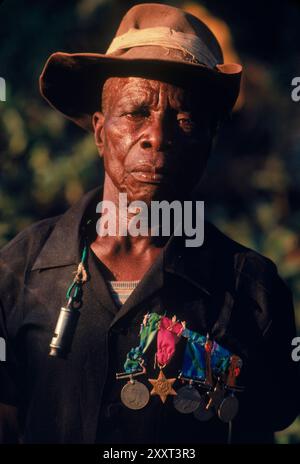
x=190, y=44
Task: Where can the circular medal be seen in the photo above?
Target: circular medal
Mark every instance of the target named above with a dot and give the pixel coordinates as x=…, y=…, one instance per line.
x=202, y=414
x=228, y=409
x=216, y=397
x=187, y=399
x=135, y=395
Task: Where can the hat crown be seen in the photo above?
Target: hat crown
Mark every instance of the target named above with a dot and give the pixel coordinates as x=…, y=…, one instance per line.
x=154, y=15
x=153, y=40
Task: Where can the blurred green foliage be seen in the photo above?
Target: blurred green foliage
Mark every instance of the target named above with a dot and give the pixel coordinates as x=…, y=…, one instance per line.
x=252, y=186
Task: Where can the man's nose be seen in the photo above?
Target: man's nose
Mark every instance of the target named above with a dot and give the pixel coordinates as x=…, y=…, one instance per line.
x=158, y=134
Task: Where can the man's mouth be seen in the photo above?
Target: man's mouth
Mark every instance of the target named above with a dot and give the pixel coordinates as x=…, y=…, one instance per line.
x=150, y=174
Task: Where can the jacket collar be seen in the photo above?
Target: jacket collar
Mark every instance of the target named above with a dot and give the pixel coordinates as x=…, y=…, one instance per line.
x=63, y=246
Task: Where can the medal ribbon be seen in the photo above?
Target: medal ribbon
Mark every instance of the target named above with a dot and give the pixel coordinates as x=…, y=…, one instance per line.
x=167, y=337
x=220, y=359
x=148, y=331
x=198, y=352
x=194, y=355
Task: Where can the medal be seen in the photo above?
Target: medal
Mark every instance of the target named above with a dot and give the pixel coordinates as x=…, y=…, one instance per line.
x=205, y=362
x=202, y=413
x=168, y=335
x=135, y=395
x=196, y=366
x=208, y=363
x=228, y=409
x=162, y=386
x=187, y=399
x=216, y=397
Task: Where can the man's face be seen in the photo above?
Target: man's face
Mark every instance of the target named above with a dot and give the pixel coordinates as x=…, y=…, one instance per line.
x=154, y=137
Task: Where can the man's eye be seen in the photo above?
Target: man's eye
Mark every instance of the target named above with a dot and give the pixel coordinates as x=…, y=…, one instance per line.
x=187, y=124
x=138, y=114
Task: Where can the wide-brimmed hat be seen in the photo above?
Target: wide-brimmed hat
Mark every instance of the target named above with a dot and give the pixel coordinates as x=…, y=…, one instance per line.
x=152, y=41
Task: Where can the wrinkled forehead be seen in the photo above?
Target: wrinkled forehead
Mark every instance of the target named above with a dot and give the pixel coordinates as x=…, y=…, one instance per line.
x=138, y=87
x=148, y=91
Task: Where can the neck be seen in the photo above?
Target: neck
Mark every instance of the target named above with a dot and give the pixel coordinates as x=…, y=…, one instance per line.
x=126, y=220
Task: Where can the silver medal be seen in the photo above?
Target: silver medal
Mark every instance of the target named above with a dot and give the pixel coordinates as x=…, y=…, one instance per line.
x=228, y=409
x=187, y=399
x=202, y=414
x=135, y=395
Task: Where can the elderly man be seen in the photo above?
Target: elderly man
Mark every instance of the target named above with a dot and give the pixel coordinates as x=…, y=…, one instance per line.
x=156, y=342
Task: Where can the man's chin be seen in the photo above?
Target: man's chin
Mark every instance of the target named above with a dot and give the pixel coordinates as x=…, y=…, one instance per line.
x=148, y=191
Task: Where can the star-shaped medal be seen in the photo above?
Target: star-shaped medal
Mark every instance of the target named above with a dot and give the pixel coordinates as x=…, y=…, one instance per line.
x=162, y=386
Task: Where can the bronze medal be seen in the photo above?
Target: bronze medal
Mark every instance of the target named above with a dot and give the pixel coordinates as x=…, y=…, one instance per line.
x=162, y=386
x=187, y=399
x=228, y=409
x=135, y=395
x=202, y=413
x=215, y=397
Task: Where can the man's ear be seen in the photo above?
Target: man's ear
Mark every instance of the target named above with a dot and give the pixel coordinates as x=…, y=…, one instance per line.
x=98, y=123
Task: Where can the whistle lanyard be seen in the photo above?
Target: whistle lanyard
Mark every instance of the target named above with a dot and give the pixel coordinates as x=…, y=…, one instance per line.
x=74, y=292
x=68, y=317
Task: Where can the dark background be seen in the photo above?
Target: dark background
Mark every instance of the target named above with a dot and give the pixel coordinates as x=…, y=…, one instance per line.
x=252, y=186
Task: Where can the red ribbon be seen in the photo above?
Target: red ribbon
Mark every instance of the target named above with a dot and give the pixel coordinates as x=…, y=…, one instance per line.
x=167, y=337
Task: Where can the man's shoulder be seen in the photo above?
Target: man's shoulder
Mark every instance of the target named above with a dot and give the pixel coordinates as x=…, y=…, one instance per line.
x=27, y=243
x=253, y=281
x=249, y=265
x=22, y=251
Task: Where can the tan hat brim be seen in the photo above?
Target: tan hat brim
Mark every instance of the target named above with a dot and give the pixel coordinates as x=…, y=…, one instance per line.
x=72, y=83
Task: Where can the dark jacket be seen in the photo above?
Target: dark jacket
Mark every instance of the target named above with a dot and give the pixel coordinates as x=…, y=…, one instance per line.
x=222, y=288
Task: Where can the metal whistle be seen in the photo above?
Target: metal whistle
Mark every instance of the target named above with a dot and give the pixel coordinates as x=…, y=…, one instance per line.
x=61, y=342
